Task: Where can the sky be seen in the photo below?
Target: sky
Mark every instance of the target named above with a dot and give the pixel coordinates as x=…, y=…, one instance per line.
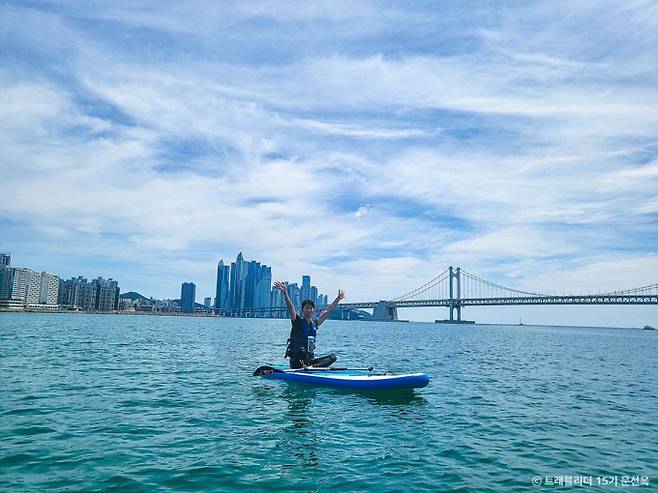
x=368, y=144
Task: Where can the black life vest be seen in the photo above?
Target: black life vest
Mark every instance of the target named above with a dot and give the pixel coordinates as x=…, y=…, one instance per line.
x=299, y=336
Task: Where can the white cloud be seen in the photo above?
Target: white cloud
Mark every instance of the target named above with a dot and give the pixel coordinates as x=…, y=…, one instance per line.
x=514, y=163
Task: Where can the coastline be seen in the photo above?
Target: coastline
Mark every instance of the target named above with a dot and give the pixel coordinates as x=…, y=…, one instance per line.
x=119, y=312
x=207, y=315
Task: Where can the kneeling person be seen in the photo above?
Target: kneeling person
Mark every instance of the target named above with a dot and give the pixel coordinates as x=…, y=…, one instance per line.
x=301, y=344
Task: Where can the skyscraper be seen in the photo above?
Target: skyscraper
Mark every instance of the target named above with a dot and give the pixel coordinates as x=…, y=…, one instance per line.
x=258, y=286
x=187, y=297
x=243, y=286
x=222, y=290
x=309, y=292
x=5, y=259
x=277, y=298
x=263, y=287
x=305, y=289
x=294, y=293
x=207, y=302
x=238, y=285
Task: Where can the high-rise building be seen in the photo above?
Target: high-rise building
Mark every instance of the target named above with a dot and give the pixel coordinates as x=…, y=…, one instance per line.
x=33, y=288
x=49, y=289
x=277, y=299
x=107, y=294
x=222, y=290
x=258, y=286
x=263, y=287
x=248, y=284
x=21, y=281
x=207, y=302
x=86, y=296
x=295, y=295
x=6, y=276
x=78, y=293
x=26, y=286
x=187, y=297
x=6, y=282
x=65, y=297
x=305, y=289
x=309, y=292
x=238, y=287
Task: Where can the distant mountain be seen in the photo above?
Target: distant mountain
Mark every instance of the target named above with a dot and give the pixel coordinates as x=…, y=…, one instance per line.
x=133, y=296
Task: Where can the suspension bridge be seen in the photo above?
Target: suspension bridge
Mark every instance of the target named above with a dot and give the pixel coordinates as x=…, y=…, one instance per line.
x=455, y=288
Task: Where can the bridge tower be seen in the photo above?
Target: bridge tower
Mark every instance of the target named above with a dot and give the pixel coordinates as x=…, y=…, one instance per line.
x=455, y=303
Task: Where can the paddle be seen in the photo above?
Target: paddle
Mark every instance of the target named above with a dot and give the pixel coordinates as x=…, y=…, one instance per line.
x=268, y=370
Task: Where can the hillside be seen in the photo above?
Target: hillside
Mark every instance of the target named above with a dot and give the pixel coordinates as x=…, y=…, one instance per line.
x=133, y=296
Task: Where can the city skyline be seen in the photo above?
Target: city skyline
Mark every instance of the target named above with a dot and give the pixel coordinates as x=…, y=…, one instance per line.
x=370, y=144
x=24, y=288
x=255, y=288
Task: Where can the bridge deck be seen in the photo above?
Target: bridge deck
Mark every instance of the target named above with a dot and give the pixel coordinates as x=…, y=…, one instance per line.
x=518, y=300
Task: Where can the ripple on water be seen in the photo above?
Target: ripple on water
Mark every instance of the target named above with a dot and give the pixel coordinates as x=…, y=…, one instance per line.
x=104, y=403
x=31, y=430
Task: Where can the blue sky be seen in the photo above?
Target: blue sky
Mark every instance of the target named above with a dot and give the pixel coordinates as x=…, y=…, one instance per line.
x=369, y=144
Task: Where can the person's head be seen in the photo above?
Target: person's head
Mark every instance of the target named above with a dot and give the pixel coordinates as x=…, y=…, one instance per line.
x=308, y=307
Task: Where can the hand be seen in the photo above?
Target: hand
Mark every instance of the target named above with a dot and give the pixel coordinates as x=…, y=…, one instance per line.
x=341, y=295
x=280, y=286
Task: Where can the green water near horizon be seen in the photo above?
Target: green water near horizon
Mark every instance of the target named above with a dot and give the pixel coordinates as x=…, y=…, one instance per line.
x=117, y=403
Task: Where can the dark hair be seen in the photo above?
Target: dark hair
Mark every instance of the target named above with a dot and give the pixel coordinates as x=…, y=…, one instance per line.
x=307, y=302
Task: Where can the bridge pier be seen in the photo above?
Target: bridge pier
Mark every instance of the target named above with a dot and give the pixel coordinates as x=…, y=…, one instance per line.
x=383, y=311
x=455, y=307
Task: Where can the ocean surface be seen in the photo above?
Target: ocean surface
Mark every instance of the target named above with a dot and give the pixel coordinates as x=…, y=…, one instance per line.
x=92, y=403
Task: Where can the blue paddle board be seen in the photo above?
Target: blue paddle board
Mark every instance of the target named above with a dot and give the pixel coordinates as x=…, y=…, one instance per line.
x=352, y=379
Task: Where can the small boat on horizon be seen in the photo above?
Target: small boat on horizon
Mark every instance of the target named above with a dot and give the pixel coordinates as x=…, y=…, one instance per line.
x=648, y=327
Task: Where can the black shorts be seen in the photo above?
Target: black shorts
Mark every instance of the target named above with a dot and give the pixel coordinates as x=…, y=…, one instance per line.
x=301, y=358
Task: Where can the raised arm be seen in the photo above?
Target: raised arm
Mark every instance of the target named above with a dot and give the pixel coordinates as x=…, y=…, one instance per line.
x=327, y=311
x=291, y=309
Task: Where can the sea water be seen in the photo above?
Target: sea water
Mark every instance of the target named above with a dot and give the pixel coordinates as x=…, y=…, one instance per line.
x=147, y=403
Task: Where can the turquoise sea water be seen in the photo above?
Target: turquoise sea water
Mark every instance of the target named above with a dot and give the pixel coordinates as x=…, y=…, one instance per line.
x=127, y=403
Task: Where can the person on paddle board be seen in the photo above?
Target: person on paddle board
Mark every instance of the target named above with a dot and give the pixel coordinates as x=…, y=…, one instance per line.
x=301, y=344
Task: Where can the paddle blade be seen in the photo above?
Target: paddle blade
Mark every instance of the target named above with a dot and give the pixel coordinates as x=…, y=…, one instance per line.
x=265, y=370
